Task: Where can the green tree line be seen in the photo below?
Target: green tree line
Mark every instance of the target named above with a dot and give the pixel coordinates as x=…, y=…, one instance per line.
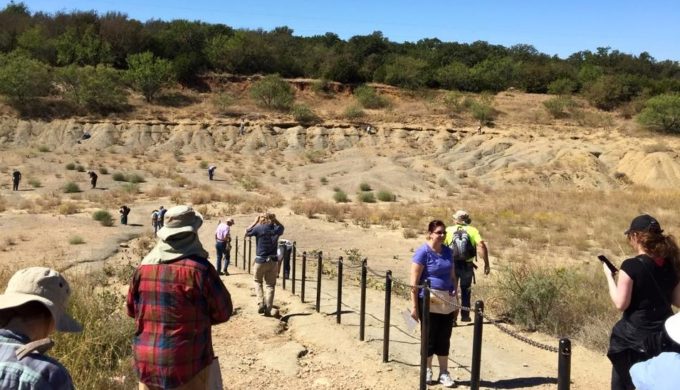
x=182, y=50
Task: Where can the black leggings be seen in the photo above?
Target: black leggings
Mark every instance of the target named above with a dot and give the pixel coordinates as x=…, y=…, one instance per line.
x=439, y=340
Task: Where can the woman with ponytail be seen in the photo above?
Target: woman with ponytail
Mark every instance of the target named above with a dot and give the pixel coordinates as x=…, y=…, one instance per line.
x=646, y=287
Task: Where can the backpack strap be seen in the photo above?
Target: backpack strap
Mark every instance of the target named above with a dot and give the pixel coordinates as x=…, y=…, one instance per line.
x=40, y=346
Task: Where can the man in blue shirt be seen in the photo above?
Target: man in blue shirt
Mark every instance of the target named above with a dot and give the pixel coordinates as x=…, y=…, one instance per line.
x=661, y=372
x=266, y=230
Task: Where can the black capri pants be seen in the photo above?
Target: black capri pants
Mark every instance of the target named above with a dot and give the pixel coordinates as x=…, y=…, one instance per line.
x=441, y=325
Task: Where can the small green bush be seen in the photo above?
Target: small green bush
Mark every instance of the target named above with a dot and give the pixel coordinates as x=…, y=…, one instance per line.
x=223, y=102
x=386, y=196
x=303, y=114
x=323, y=181
x=76, y=240
x=103, y=171
x=366, y=197
x=35, y=183
x=365, y=187
x=563, y=86
x=103, y=217
x=71, y=166
x=43, y=149
x=453, y=101
x=354, y=112
x=340, y=196
x=322, y=87
x=135, y=178
x=80, y=168
x=273, y=92
x=662, y=113
x=118, y=177
x=71, y=188
x=559, y=106
x=203, y=165
x=369, y=98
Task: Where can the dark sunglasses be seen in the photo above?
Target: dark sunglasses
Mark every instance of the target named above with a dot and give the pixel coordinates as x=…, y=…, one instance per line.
x=439, y=232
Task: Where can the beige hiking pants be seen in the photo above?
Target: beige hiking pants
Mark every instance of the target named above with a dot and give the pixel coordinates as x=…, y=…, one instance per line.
x=268, y=272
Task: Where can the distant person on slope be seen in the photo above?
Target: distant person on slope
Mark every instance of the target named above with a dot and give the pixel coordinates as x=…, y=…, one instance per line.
x=646, y=286
x=211, y=171
x=124, y=212
x=432, y=261
x=16, y=178
x=31, y=309
x=154, y=221
x=176, y=297
x=467, y=244
x=93, y=178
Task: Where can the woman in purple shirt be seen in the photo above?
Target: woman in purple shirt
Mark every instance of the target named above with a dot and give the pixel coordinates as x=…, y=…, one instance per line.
x=433, y=261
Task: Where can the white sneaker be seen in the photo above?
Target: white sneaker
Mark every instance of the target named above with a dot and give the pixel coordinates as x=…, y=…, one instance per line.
x=428, y=376
x=446, y=380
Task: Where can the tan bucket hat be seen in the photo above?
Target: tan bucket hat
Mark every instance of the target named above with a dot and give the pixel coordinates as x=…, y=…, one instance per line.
x=180, y=219
x=461, y=216
x=43, y=285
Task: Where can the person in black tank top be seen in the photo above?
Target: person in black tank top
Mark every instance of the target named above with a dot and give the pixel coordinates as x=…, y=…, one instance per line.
x=646, y=287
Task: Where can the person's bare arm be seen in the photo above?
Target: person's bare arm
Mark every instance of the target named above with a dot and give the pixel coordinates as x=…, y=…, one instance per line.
x=621, y=290
x=676, y=296
x=416, y=271
x=484, y=254
x=252, y=225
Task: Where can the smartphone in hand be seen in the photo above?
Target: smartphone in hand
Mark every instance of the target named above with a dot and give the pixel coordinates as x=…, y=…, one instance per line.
x=605, y=260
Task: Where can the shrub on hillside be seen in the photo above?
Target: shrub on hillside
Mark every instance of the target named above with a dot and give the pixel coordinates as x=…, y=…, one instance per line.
x=386, y=196
x=339, y=196
x=35, y=183
x=662, y=113
x=366, y=197
x=97, y=89
x=23, y=79
x=272, y=92
x=71, y=166
x=303, y=114
x=453, y=102
x=322, y=87
x=118, y=176
x=559, y=106
x=223, y=102
x=369, y=98
x=71, y=188
x=148, y=74
x=483, y=111
x=353, y=112
x=76, y=240
x=103, y=217
x=563, y=86
x=365, y=187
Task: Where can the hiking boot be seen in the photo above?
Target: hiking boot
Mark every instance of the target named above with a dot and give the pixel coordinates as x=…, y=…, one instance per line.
x=428, y=376
x=446, y=380
x=261, y=308
x=226, y=272
x=465, y=319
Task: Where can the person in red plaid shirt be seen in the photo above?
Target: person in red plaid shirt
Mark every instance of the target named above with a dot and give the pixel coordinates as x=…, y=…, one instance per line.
x=175, y=297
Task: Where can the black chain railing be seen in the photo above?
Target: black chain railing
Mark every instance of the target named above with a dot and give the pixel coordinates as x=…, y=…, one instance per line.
x=563, y=351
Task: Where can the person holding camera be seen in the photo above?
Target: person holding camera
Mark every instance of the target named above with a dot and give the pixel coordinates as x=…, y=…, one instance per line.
x=266, y=229
x=646, y=287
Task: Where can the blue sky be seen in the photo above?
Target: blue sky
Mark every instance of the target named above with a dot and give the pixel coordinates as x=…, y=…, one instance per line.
x=553, y=27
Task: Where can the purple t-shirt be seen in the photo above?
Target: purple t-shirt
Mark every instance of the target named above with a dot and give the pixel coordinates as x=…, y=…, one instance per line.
x=437, y=267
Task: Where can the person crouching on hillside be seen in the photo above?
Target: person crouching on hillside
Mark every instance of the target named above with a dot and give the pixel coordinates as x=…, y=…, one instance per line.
x=33, y=307
x=646, y=286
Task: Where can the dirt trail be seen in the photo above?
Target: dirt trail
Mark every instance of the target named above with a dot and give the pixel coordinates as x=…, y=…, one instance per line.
x=309, y=350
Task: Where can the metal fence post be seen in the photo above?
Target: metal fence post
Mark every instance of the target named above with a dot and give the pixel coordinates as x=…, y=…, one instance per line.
x=477, y=346
x=236, y=253
x=293, y=258
x=338, y=313
x=250, y=252
x=282, y=267
x=318, y=281
x=362, y=310
x=304, y=276
x=388, y=305
x=564, y=365
x=244, y=253
x=424, y=334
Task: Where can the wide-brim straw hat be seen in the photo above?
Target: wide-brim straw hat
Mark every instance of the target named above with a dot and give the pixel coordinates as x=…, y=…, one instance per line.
x=180, y=219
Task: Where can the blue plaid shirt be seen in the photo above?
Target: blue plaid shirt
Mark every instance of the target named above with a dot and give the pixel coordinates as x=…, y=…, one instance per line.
x=34, y=371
